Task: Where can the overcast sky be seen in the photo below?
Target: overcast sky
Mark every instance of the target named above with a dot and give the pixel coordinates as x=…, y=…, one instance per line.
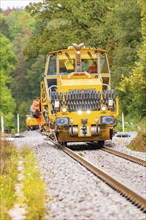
x=4, y=4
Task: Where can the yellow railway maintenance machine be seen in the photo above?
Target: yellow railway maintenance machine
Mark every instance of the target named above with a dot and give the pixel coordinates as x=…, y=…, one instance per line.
x=77, y=103
x=31, y=123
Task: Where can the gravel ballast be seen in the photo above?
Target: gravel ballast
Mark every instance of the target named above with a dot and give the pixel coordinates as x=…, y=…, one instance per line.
x=73, y=192
x=130, y=174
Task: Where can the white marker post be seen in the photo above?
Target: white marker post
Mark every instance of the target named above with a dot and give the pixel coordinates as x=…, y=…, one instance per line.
x=2, y=125
x=123, y=122
x=18, y=124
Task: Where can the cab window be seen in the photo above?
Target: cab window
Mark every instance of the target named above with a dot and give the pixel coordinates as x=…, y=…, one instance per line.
x=66, y=66
x=89, y=65
x=103, y=64
x=52, y=65
x=89, y=62
x=66, y=63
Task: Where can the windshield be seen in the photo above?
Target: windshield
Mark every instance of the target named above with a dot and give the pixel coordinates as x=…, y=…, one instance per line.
x=89, y=65
x=89, y=62
x=66, y=63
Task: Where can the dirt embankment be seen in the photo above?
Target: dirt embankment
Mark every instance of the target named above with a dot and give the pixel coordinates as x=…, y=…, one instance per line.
x=138, y=143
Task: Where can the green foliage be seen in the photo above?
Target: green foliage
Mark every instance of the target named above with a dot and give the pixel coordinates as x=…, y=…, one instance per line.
x=8, y=60
x=19, y=21
x=131, y=123
x=34, y=76
x=126, y=33
x=23, y=110
x=60, y=24
x=4, y=28
x=20, y=27
x=128, y=126
x=113, y=25
x=134, y=84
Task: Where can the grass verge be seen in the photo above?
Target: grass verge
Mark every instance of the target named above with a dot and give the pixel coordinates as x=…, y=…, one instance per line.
x=33, y=186
x=8, y=177
x=139, y=143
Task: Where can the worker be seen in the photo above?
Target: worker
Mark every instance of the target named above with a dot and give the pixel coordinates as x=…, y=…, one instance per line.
x=35, y=108
x=93, y=68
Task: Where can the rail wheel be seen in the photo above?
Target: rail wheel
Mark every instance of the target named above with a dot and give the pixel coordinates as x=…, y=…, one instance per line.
x=101, y=143
x=64, y=144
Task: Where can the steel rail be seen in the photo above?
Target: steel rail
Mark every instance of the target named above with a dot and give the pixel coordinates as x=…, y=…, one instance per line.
x=132, y=196
x=125, y=156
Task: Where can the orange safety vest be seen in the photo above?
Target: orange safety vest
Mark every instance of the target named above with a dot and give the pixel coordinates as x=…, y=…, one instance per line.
x=92, y=69
x=36, y=106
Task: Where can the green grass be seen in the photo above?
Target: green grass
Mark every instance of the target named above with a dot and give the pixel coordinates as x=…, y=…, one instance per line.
x=127, y=127
x=132, y=124
x=8, y=177
x=33, y=186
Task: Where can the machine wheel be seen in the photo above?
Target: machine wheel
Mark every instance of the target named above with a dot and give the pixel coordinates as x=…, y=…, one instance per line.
x=64, y=144
x=101, y=143
x=111, y=133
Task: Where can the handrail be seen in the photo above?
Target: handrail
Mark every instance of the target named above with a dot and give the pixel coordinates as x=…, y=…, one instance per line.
x=104, y=84
x=49, y=89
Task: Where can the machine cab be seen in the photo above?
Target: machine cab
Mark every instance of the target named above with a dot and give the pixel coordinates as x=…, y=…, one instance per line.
x=78, y=60
x=76, y=100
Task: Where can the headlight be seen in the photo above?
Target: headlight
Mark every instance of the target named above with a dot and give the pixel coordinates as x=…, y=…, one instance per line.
x=88, y=112
x=103, y=108
x=64, y=109
x=62, y=121
x=106, y=120
x=79, y=112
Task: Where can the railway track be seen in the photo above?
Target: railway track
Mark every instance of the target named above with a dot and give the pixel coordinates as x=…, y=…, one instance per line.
x=130, y=195
x=125, y=156
x=122, y=155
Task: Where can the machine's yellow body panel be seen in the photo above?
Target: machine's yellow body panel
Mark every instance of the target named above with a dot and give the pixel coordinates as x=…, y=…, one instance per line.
x=31, y=122
x=77, y=103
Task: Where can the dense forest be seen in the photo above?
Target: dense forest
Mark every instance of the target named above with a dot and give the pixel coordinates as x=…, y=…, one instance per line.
x=27, y=36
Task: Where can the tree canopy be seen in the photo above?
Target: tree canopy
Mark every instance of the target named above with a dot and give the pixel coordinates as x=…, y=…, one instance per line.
x=113, y=25
x=7, y=64
x=134, y=83
x=28, y=35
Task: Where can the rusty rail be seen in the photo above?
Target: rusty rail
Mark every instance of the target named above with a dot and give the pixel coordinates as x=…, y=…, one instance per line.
x=132, y=196
x=125, y=156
